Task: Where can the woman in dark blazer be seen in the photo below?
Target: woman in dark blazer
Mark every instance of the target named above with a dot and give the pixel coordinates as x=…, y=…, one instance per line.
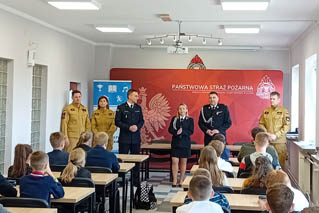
x=181, y=128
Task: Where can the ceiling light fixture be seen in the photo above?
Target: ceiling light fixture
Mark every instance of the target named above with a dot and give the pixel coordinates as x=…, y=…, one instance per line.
x=250, y=29
x=161, y=41
x=115, y=28
x=190, y=39
x=75, y=4
x=204, y=41
x=174, y=38
x=149, y=42
x=245, y=4
x=220, y=42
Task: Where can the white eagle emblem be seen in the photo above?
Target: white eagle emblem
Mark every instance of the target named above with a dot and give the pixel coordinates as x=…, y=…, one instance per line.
x=265, y=87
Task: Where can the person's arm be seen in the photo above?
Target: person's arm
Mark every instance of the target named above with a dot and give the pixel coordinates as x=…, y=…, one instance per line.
x=64, y=122
x=118, y=120
x=93, y=124
x=140, y=120
x=115, y=165
x=87, y=123
x=227, y=120
x=285, y=127
x=242, y=167
x=190, y=130
x=56, y=188
x=171, y=129
x=262, y=121
x=201, y=122
x=112, y=127
x=6, y=189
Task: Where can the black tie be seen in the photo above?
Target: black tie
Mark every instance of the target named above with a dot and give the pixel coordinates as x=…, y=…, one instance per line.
x=132, y=106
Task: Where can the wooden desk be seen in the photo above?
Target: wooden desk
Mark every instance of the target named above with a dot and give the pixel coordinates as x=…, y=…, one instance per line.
x=141, y=160
x=98, y=178
x=235, y=183
x=195, y=167
x=126, y=167
x=30, y=210
x=236, y=201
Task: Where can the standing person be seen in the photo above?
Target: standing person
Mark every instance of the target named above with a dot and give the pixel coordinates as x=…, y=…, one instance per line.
x=129, y=118
x=181, y=128
x=75, y=119
x=276, y=121
x=214, y=118
x=103, y=120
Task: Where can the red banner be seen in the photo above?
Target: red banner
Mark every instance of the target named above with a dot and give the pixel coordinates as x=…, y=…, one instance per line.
x=245, y=92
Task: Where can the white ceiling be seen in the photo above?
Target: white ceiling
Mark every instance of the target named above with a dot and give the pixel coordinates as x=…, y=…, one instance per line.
x=281, y=24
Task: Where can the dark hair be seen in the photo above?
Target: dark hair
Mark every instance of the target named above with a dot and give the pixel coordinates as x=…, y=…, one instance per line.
x=20, y=167
x=262, y=168
x=107, y=100
x=255, y=131
x=213, y=93
x=219, y=137
x=76, y=91
x=275, y=93
x=130, y=91
x=280, y=198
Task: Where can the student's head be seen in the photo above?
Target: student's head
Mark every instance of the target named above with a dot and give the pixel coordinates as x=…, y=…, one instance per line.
x=76, y=160
x=274, y=99
x=132, y=95
x=219, y=137
x=277, y=177
x=103, y=102
x=85, y=138
x=255, y=131
x=200, y=188
x=39, y=161
x=314, y=209
x=261, y=169
x=76, y=96
x=182, y=110
x=261, y=140
x=202, y=171
x=57, y=140
x=213, y=98
x=22, y=154
x=101, y=139
x=218, y=146
x=208, y=159
x=280, y=199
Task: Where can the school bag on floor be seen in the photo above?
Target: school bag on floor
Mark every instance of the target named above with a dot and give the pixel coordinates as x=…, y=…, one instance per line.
x=144, y=197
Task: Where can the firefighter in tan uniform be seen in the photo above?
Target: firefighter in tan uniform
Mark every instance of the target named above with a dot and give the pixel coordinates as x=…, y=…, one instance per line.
x=276, y=121
x=103, y=120
x=75, y=120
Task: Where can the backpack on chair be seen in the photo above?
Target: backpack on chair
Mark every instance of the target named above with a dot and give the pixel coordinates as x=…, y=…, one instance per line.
x=144, y=197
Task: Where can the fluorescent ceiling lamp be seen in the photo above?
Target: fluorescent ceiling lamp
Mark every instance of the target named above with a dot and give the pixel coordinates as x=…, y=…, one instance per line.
x=245, y=4
x=242, y=29
x=75, y=4
x=115, y=29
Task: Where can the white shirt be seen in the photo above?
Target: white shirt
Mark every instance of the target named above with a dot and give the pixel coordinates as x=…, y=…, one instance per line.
x=200, y=206
x=224, y=165
x=300, y=200
x=130, y=105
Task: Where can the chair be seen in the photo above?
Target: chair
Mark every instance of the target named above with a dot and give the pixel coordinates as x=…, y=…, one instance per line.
x=245, y=175
x=253, y=190
x=223, y=189
x=57, y=168
x=229, y=174
x=97, y=169
x=24, y=202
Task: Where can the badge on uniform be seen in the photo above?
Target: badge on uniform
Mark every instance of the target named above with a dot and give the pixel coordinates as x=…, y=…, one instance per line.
x=72, y=109
x=219, y=112
x=84, y=110
x=63, y=115
x=266, y=113
x=280, y=113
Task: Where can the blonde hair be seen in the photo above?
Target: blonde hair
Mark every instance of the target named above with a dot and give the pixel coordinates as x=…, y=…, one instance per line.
x=101, y=138
x=56, y=139
x=177, y=115
x=85, y=137
x=276, y=177
x=38, y=160
x=262, y=139
x=202, y=171
x=218, y=146
x=200, y=187
x=208, y=160
x=76, y=159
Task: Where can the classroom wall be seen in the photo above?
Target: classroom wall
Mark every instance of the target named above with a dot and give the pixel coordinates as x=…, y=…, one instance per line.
x=305, y=46
x=68, y=59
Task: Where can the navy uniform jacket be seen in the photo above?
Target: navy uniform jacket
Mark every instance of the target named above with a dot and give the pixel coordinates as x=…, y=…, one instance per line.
x=99, y=156
x=58, y=157
x=126, y=117
x=6, y=189
x=36, y=185
x=218, y=118
x=183, y=140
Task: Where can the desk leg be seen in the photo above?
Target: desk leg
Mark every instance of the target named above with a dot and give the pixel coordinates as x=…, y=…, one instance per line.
x=124, y=195
x=131, y=192
x=174, y=209
x=147, y=171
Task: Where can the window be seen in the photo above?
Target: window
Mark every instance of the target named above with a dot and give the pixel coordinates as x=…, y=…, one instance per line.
x=310, y=98
x=294, y=97
x=3, y=109
x=38, y=105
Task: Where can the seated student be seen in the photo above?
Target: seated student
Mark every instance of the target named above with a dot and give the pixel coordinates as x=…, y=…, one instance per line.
x=58, y=156
x=200, y=190
x=258, y=179
x=314, y=209
x=2, y=209
x=216, y=197
x=41, y=183
x=249, y=148
x=99, y=156
x=220, y=137
x=6, y=189
x=261, y=143
x=208, y=160
x=276, y=177
x=279, y=199
x=85, y=141
x=21, y=163
x=75, y=167
x=222, y=164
